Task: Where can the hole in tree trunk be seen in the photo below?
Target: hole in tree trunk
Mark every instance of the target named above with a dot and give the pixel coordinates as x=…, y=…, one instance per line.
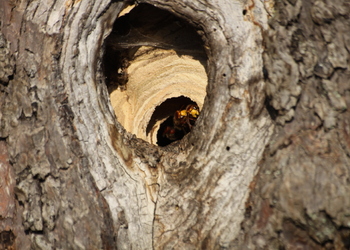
x=154, y=64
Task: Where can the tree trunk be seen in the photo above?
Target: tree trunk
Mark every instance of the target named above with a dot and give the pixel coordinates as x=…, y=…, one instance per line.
x=266, y=165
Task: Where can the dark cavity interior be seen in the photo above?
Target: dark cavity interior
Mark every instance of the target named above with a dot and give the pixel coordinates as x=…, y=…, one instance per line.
x=166, y=111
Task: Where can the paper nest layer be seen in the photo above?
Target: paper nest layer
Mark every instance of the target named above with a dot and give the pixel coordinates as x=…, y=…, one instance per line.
x=155, y=75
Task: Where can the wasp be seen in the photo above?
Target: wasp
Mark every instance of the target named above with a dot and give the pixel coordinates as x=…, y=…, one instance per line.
x=192, y=111
x=170, y=133
x=183, y=121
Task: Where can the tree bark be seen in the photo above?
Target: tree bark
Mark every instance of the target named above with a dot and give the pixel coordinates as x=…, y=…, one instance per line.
x=265, y=167
x=299, y=197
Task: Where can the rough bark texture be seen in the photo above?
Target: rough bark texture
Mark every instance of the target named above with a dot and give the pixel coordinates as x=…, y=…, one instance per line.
x=73, y=178
x=300, y=198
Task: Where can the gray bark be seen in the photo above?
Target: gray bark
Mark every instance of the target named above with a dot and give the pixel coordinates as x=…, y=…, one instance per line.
x=300, y=195
x=265, y=167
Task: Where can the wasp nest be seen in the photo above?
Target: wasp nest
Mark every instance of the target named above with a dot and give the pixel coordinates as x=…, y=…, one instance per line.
x=154, y=65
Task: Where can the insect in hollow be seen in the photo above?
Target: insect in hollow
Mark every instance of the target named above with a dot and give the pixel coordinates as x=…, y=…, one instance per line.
x=170, y=133
x=183, y=121
x=192, y=111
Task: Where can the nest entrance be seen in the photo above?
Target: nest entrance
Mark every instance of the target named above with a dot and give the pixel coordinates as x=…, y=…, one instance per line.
x=154, y=64
x=162, y=118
